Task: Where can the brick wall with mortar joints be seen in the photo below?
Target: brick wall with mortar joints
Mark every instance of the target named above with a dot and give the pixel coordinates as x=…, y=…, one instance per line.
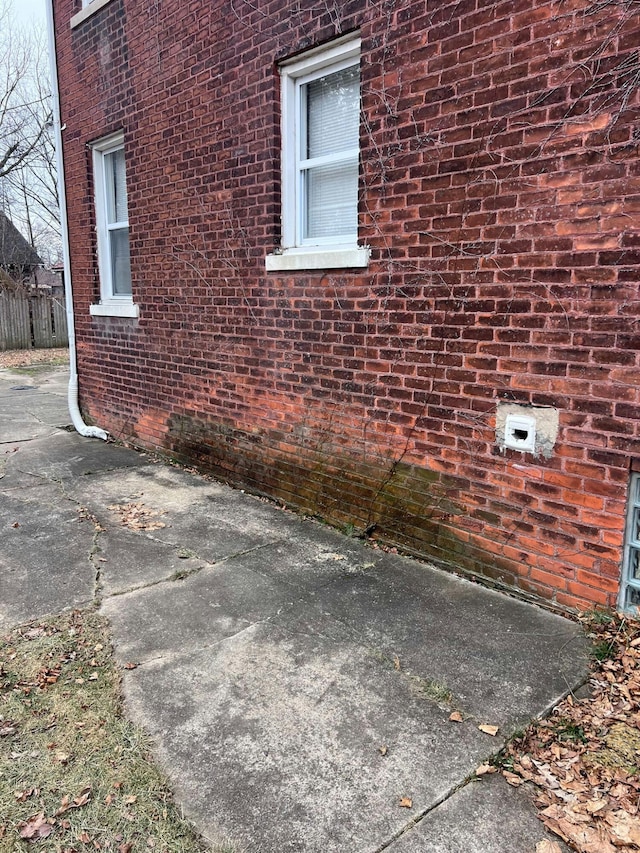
x=500, y=198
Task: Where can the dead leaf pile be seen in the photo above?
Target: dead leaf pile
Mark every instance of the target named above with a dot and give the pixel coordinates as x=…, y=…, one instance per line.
x=25, y=358
x=136, y=516
x=585, y=758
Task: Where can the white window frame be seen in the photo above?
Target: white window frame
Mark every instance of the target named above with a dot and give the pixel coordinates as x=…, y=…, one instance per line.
x=297, y=252
x=631, y=545
x=111, y=304
x=89, y=8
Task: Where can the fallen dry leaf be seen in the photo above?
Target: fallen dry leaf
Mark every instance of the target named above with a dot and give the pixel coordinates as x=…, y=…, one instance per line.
x=21, y=796
x=484, y=769
x=7, y=727
x=595, y=806
x=625, y=828
x=455, y=717
x=35, y=828
x=383, y=750
x=406, y=803
x=64, y=805
x=547, y=846
x=489, y=730
x=83, y=798
x=33, y=633
x=512, y=778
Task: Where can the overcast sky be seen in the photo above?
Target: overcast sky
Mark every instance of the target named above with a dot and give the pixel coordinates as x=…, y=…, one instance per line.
x=29, y=12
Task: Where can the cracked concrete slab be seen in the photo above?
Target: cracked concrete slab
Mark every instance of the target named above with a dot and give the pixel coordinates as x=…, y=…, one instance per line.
x=313, y=556
x=487, y=815
x=36, y=409
x=176, y=617
x=45, y=564
x=287, y=727
x=287, y=656
x=39, y=415
x=210, y=519
x=68, y=457
x=501, y=656
x=127, y=561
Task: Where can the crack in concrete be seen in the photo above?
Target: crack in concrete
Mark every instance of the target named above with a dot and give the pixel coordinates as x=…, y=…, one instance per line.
x=94, y=561
x=415, y=821
x=94, y=549
x=173, y=578
x=23, y=440
x=40, y=421
x=177, y=575
x=194, y=650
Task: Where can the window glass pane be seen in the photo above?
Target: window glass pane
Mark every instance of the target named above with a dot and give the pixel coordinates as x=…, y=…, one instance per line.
x=632, y=597
x=332, y=201
x=116, y=186
x=634, y=533
x=333, y=112
x=120, y=262
x=634, y=564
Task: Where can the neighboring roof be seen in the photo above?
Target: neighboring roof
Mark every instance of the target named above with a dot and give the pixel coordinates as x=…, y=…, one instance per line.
x=15, y=251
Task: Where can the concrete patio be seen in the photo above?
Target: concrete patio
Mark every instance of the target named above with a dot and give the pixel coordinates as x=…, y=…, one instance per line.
x=298, y=684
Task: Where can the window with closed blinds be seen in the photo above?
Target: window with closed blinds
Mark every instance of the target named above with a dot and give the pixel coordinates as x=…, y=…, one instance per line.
x=330, y=108
x=320, y=99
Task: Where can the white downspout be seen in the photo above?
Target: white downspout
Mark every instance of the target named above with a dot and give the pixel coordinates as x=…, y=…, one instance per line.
x=72, y=396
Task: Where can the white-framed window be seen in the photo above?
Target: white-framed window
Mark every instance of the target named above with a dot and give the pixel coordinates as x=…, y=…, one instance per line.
x=630, y=587
x=112, y=228
x=320, y=101
x=89, y=8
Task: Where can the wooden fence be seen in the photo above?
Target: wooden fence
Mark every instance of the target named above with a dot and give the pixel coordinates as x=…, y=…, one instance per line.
x=32, y=321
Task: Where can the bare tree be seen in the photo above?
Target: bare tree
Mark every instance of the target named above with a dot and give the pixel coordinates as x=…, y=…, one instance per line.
x=28, y=189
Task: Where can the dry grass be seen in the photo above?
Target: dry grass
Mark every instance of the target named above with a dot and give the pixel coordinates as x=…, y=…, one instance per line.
x=74, y=773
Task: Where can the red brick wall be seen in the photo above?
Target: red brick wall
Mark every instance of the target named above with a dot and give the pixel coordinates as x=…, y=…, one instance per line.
x=501, y=200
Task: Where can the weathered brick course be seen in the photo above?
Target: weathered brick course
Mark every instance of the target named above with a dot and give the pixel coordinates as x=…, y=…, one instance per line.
x=500, y=193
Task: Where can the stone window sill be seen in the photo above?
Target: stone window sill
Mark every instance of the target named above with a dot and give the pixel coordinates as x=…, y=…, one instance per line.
x=114, y=309
x=317, y=259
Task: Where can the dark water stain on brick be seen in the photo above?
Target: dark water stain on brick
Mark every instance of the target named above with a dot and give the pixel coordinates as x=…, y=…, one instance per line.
x=402, y=504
